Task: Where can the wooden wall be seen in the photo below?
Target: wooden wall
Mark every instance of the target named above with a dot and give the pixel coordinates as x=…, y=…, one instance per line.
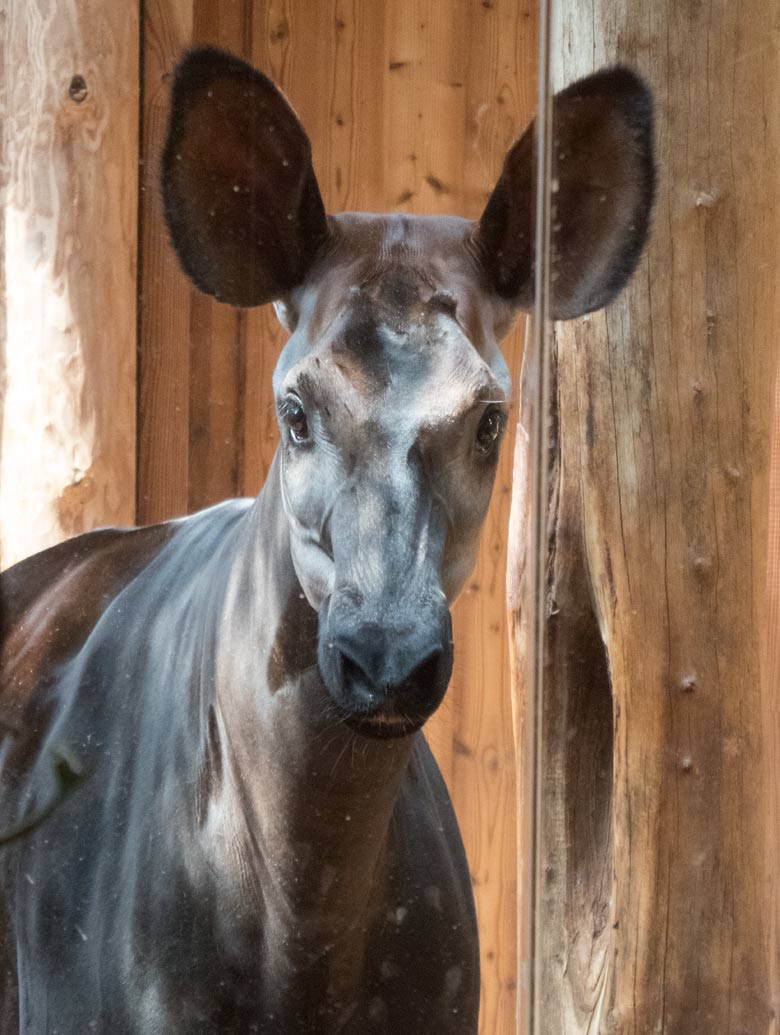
x=69, y=118
x=410, y=105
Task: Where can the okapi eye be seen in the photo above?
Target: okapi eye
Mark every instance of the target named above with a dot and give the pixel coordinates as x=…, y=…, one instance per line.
x=295, y=418
x=489, y=429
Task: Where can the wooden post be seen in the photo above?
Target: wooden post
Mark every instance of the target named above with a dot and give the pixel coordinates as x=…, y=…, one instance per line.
x=771, y=699
x=659, y=773
x=69, y=191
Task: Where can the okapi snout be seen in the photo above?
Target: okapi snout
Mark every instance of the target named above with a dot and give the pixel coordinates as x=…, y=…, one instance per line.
x=387, y=680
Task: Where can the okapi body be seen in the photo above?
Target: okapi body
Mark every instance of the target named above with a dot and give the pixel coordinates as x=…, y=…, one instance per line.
x=262, y=841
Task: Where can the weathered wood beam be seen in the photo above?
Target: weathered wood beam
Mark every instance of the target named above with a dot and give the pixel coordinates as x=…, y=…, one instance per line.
x=659, y=904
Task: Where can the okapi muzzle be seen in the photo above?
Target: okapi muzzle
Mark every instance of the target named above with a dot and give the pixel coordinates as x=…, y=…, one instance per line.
x=385, y=633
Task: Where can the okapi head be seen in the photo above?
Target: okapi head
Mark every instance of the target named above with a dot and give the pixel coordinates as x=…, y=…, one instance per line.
x=391, y=392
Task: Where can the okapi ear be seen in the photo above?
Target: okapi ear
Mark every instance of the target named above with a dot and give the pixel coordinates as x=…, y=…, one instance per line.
x=241, y=199
x=603, y=188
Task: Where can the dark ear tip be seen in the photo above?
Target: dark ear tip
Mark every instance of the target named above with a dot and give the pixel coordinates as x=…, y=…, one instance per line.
x=206, y=61
x=629, y=94
x=201, y=65
x=620, y=84
x=626, y=90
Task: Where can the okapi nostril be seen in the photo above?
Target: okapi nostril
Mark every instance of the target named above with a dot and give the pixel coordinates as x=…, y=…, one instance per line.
x=370, y=678
x=426, y=673
x=358, y=684
x=352, y=672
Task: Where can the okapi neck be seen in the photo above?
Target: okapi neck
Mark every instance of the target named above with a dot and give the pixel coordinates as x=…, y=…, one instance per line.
x=307, y=801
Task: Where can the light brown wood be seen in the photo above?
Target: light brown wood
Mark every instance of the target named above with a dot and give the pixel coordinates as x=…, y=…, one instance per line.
x=69, y=181
x=409, y=105
x=520, y=605
x=193, y=373
x=771, y=702
x=657, y=599
x=163, y=373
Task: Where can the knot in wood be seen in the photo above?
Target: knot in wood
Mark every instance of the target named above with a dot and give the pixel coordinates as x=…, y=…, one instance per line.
x=702, y=566
x=78, y=91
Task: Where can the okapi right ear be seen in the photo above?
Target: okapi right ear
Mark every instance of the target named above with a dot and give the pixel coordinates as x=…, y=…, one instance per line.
x=241, y=199
x=603, y=188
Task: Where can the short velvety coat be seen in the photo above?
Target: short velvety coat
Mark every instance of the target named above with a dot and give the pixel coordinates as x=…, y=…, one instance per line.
x=263, y=842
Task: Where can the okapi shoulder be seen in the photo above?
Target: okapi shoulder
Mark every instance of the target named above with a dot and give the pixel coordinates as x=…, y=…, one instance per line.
x=51, y=601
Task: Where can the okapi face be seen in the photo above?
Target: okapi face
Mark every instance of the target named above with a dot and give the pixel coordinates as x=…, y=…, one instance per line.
x=391, y=391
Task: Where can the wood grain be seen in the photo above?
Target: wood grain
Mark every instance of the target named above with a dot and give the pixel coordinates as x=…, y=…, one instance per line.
x=664, y=416
x=164, y=349
x=69, y=181
x=216, y=331
x=409, y=105
x=771, y=705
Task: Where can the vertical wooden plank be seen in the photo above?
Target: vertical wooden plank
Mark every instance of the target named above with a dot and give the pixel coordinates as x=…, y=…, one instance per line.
x=771, y=708
x=264, y=338
x=426, y=59
x=192, y=356
x=69, y=189
x=216, y=401
x=356, y=170
x=217, y=344
x=164, y=349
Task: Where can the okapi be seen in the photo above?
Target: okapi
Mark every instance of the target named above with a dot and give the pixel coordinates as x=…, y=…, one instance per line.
x=263, y=842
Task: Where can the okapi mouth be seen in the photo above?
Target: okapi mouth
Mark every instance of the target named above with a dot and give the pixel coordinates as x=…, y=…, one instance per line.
x=382, y=726
x=406, y=708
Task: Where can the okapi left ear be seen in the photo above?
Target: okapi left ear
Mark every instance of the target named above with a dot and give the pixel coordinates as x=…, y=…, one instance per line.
x=241, y=199
x=603, y=188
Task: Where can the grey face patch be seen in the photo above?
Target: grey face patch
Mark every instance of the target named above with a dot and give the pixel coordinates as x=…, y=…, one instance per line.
x=387, y=495
x=362, y=352
x=400, y=289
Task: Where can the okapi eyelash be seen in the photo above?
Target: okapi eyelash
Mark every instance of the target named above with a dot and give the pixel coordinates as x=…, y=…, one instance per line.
x=287, y=404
